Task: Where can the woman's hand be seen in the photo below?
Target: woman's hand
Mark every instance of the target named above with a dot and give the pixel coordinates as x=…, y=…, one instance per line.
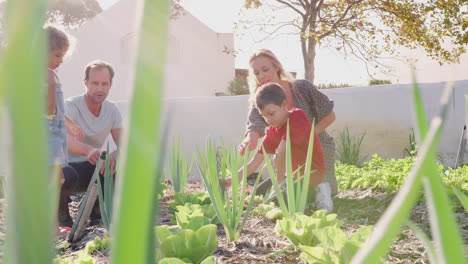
x=249, y=141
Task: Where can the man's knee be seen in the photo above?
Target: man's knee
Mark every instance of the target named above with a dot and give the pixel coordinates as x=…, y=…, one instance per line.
x=70, y=175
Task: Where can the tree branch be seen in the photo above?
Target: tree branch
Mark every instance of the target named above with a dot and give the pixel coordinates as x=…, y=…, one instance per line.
x=290, y=6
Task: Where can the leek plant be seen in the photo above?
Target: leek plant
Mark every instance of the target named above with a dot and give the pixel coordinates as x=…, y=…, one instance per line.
x=296, y=190
x=179, y=167
x=105, y=194
x=31, y=193
x=348, y=149
x=138, y=175
x=229, y=209
x=448, y=246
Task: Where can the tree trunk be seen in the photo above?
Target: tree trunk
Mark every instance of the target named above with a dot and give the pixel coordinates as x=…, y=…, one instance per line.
x=308, y=55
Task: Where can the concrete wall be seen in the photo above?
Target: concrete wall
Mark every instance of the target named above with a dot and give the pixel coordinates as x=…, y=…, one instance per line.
x=384, y=112
x=195, y=65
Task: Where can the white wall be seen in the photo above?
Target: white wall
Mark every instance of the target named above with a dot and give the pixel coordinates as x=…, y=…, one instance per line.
x=195, y=63
x=384, y=112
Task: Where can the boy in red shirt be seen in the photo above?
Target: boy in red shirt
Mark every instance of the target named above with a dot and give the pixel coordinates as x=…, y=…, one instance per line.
x=271, y=102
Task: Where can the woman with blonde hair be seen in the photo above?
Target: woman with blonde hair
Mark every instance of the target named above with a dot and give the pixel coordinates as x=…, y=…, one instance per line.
x=264, y=68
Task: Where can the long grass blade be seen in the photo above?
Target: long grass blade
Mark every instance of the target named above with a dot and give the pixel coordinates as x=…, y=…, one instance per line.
x=443, y=223
x=276, y=185
x=30, y=188
x=289, y=175
x=426, y=241
x=134, y=241
x=396, y=214
x=307, y=171
x=461, y=197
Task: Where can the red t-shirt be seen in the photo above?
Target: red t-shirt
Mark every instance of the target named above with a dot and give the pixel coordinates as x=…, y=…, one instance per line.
x=299, y=133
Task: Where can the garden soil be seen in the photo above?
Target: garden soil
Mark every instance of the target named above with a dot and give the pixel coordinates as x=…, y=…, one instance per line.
x=356, y=208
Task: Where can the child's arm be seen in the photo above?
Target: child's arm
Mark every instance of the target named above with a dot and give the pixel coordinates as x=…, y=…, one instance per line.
x=74, y=129
x=80, y=148
x=280, y=161
x=252, y=166
x=51, y=97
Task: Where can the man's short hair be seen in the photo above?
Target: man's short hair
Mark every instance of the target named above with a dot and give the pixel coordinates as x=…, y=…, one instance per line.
x=99, y=64
x=270, y=93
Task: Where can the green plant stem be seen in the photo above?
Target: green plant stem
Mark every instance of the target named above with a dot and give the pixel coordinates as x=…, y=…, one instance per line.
x=31, y=191
x=396, y=214
x=133, y=240
x=280, y=251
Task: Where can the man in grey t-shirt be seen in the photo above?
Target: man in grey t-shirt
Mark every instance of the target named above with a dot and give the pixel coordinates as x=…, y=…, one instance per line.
x=97, y=118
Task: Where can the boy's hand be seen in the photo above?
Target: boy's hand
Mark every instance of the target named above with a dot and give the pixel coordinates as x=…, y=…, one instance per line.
x=249, y=141
x=228, y=182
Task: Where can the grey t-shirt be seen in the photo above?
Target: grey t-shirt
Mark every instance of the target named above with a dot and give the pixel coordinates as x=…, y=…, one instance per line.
x=95, y=128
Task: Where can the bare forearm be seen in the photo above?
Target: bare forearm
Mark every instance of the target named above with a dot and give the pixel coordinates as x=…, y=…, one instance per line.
x=77, y=147
x=253, y=165
x=280, y=161
x=325, y=122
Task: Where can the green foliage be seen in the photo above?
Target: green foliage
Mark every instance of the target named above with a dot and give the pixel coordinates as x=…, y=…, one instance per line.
x=186, y=244
x=98, y=244
x=257, y=199
x=229, y=206
x=238, y=86
x=296, y=182
x=161, y=190
x=376, y=173
x=367, y=30
x=106, y=194
x=179, y=167
x=448, y=245
x=140, y=171
x=348, y=149
x=208, y=260
x=391, y=174
x=334, y=247
x=300, y=229
x=23, y=64
x=413, y=148
x=194, y=216
x=274, y=214
x=81, y=258
x=379, y=82
x=180, y=199
x=456, y=177
x=262, y=209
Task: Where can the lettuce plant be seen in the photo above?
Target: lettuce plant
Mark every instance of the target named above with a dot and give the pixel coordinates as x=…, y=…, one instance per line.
x=262, y=209
x=300, y=229
x=208, y=260
x=191, y=198
x=333, y=246
x=194, y=216
x=185, y=244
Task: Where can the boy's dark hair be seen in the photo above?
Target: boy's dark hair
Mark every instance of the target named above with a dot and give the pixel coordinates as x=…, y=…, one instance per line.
x=270, y=93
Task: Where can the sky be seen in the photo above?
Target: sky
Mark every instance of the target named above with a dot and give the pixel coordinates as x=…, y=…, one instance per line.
x=331, y=67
